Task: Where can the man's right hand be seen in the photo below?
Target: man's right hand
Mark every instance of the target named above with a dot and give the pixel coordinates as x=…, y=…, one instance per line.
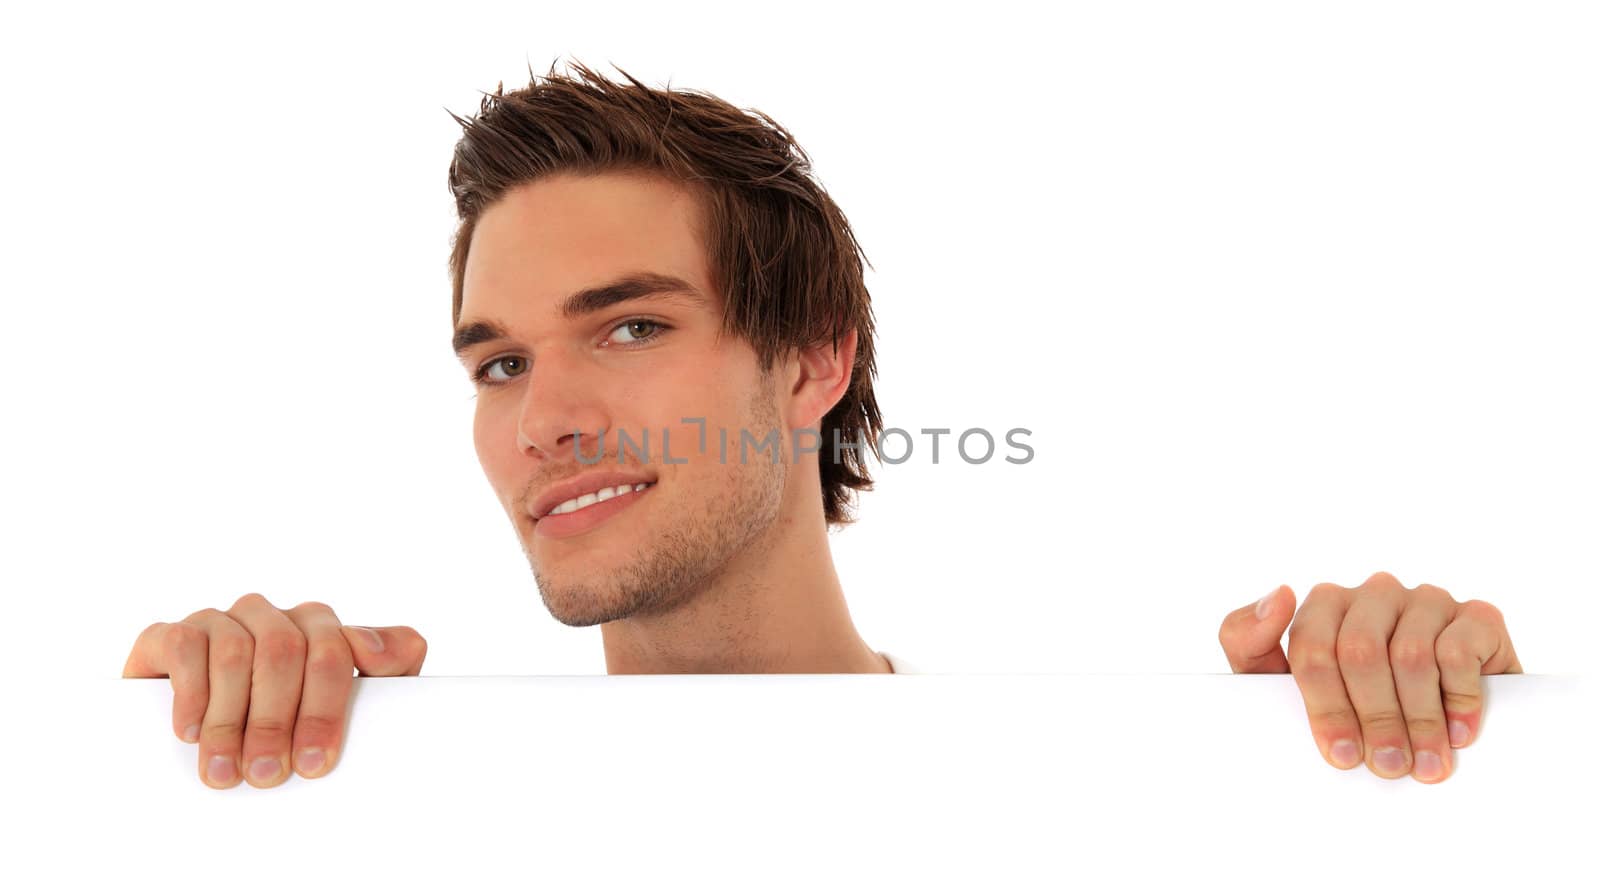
x=288, y=669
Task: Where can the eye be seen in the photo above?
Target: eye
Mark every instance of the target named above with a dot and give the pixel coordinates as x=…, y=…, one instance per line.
x=483, y=373
x=634, y=331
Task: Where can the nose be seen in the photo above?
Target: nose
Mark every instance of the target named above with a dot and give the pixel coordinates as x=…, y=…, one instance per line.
x=559, y=404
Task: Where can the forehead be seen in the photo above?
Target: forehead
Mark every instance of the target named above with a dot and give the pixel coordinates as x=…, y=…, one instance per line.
x=544, y=240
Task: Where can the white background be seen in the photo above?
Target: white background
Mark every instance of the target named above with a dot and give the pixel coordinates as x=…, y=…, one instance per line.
x=1285, y=294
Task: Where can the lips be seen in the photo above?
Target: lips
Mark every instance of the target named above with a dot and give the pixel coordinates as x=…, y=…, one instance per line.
x=582, y=485
x=560, y=525
x=604, y=493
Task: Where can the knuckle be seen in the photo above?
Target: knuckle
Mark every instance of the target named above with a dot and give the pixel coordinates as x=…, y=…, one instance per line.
x=317, y=728
x=270, y=729
x=1382, y=720
x=329, y=657
x=314, y=606
x=1297, y=631
x=1433, y=591
x=253, y=597
x=1484, y=610
x=223, y=731
x=1427, y=728
x=1324, y=588
x=280, y=649
x=1312, y=659
x=1382, y=579
x=182, y=638
x=1455, y=655
x=1411, y=655
x=232, y=651
x=1383, y=585
x=1359, y=651
x=1334, y=719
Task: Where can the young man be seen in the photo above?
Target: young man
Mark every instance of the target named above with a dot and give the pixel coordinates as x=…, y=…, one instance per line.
x=666, y=322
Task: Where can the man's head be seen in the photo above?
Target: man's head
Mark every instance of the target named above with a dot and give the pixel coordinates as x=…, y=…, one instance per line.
x=629, y=259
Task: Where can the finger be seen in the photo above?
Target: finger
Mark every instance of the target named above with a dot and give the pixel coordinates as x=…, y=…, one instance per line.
x=147, y=659
x=1314, y=662
x=1428, y=609
x=1251, y=635
x=176, y=651
x=228, y=653
x=1363, y=652
x=319, y=728
x=396, y=651
x=276, y=675
x=1474, y=643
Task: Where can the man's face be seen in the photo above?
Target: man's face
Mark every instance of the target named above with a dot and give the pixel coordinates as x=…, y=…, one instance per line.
x=599, y=363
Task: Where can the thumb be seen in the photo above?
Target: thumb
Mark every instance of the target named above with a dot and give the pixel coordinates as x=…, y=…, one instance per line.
x=1251, y=635
x=396, y=651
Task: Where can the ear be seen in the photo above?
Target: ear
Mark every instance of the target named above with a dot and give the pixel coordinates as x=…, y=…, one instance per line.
x=817, y=377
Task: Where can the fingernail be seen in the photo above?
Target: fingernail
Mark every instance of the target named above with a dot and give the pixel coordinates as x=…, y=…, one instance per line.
x=264, y=769
x=1389, y=759
x=310, y=760
x=220, y=769
x=1459, y=734
x=191, y=734
x=1345, y=753
x=1263, y=603
x=373, y=639
x=1429, y=766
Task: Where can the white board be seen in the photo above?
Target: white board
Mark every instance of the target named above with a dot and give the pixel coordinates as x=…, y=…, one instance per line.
x=809, y=776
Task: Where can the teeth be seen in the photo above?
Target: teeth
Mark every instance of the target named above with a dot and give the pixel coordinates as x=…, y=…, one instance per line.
x=589, y=499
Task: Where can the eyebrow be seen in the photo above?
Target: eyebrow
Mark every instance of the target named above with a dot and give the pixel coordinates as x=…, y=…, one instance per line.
x=620, y=290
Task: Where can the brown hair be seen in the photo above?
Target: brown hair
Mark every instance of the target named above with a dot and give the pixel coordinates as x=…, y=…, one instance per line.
x=779, y=249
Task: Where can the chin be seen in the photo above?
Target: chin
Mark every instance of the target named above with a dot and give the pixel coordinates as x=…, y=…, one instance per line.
x=577, y=605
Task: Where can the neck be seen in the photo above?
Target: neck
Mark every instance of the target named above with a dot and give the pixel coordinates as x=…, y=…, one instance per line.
x=776, y=607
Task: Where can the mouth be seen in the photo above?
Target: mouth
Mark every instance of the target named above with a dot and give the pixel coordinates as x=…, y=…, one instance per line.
x=580, y=514
x=578, y=503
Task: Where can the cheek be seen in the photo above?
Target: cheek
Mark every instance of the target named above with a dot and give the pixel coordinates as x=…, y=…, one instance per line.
x=482, y=436
x=496, y=449
x=733, y=428
x=662, y=402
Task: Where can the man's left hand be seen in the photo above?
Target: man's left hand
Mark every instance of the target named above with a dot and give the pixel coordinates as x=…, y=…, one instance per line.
x=1390, y=674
